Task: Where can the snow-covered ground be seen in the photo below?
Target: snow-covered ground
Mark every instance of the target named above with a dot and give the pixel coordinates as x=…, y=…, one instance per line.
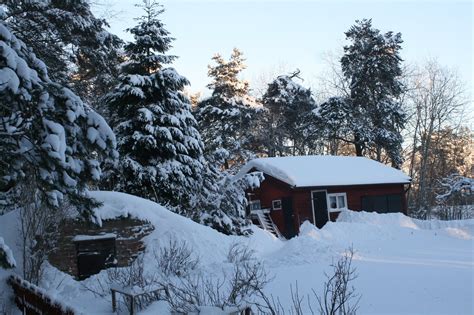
x=405, y=266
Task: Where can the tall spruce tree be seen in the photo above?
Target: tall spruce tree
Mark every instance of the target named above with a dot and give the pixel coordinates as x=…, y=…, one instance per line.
x=73, y=43
x=373, y=114
x=289, y=123
x=160, y=148
x=226, y=118
x=49, y=139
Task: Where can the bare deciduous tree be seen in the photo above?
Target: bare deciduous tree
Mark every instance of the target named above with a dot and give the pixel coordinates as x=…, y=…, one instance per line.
x=436, y=100
x=39, y=230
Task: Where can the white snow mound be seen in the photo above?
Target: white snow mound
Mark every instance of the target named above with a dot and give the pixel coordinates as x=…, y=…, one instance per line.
x=398, y=220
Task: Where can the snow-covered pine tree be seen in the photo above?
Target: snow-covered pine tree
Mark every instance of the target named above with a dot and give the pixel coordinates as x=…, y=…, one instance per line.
x=49, y=137
x=227, y=118
x=372, y=64
x=289, y=126
x=73, y=43
x=161, y=152
x=373, y=113
x=224, y=206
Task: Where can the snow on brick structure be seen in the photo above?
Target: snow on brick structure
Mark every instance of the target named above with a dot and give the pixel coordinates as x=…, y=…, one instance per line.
x=318, y=188
x=86, y=248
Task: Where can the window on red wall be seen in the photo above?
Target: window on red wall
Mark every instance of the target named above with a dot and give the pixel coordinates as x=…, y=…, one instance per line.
x=337, y=202
x=276, y=204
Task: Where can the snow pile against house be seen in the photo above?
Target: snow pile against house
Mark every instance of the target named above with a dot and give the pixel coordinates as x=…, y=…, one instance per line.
x=306, y=171
x=399, y=220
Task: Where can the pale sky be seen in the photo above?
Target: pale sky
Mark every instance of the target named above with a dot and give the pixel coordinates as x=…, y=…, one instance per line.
x=296, y=34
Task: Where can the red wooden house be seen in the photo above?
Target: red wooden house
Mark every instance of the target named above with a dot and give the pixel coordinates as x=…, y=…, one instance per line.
x=317, y=188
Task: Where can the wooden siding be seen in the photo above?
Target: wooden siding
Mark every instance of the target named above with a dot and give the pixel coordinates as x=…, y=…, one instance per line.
x=273, y=189
x=34, y=300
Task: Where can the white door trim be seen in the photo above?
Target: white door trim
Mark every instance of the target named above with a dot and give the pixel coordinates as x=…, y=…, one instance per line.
x=312, y=204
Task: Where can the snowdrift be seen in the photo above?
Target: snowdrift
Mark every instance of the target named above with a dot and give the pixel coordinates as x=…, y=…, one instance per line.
x=398, y=220
x=210, y=244
x=426, y=264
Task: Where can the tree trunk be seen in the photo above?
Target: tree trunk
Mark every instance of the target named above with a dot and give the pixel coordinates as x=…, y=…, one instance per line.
x=359, y=145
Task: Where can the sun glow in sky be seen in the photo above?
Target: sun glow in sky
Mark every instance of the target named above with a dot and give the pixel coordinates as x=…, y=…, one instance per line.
x=284, y=35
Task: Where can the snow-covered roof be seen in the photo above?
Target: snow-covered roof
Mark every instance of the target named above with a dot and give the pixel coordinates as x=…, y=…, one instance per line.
x=326, y=170
x=82, y=238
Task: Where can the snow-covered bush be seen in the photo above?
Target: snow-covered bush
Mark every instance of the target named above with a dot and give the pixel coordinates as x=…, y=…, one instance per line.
x=133, y=278
x=236, y=288
x=338, y=296
x=176, y=259
x=239, y=253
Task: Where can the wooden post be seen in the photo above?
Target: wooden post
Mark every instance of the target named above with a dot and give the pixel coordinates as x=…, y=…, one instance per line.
x=114, y=303
x=23, y=301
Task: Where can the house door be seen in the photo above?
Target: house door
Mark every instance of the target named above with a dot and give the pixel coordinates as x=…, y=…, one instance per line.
x=89, y=263
x=94, y=253
x=289, y=216
x=320, y=208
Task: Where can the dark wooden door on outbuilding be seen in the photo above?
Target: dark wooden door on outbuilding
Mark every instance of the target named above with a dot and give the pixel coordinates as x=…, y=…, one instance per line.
x=320, y=207
x=289, y=216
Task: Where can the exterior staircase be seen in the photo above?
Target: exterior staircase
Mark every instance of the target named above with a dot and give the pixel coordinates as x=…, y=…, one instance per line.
x=263, y=220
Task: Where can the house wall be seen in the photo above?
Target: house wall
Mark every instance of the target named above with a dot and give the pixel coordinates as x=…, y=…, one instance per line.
x=272, y=189
x=129, y=232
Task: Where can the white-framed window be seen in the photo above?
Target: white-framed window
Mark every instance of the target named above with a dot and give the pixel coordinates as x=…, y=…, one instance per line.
x=337, y=202
x=254, y=205
x=276, y=204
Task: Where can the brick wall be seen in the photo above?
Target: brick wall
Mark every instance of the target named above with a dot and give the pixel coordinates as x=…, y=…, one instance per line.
x=129, y=244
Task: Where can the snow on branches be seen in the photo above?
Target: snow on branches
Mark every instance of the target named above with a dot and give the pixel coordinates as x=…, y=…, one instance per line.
x=48, y=135
x=454, y=184
x=160, y=147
